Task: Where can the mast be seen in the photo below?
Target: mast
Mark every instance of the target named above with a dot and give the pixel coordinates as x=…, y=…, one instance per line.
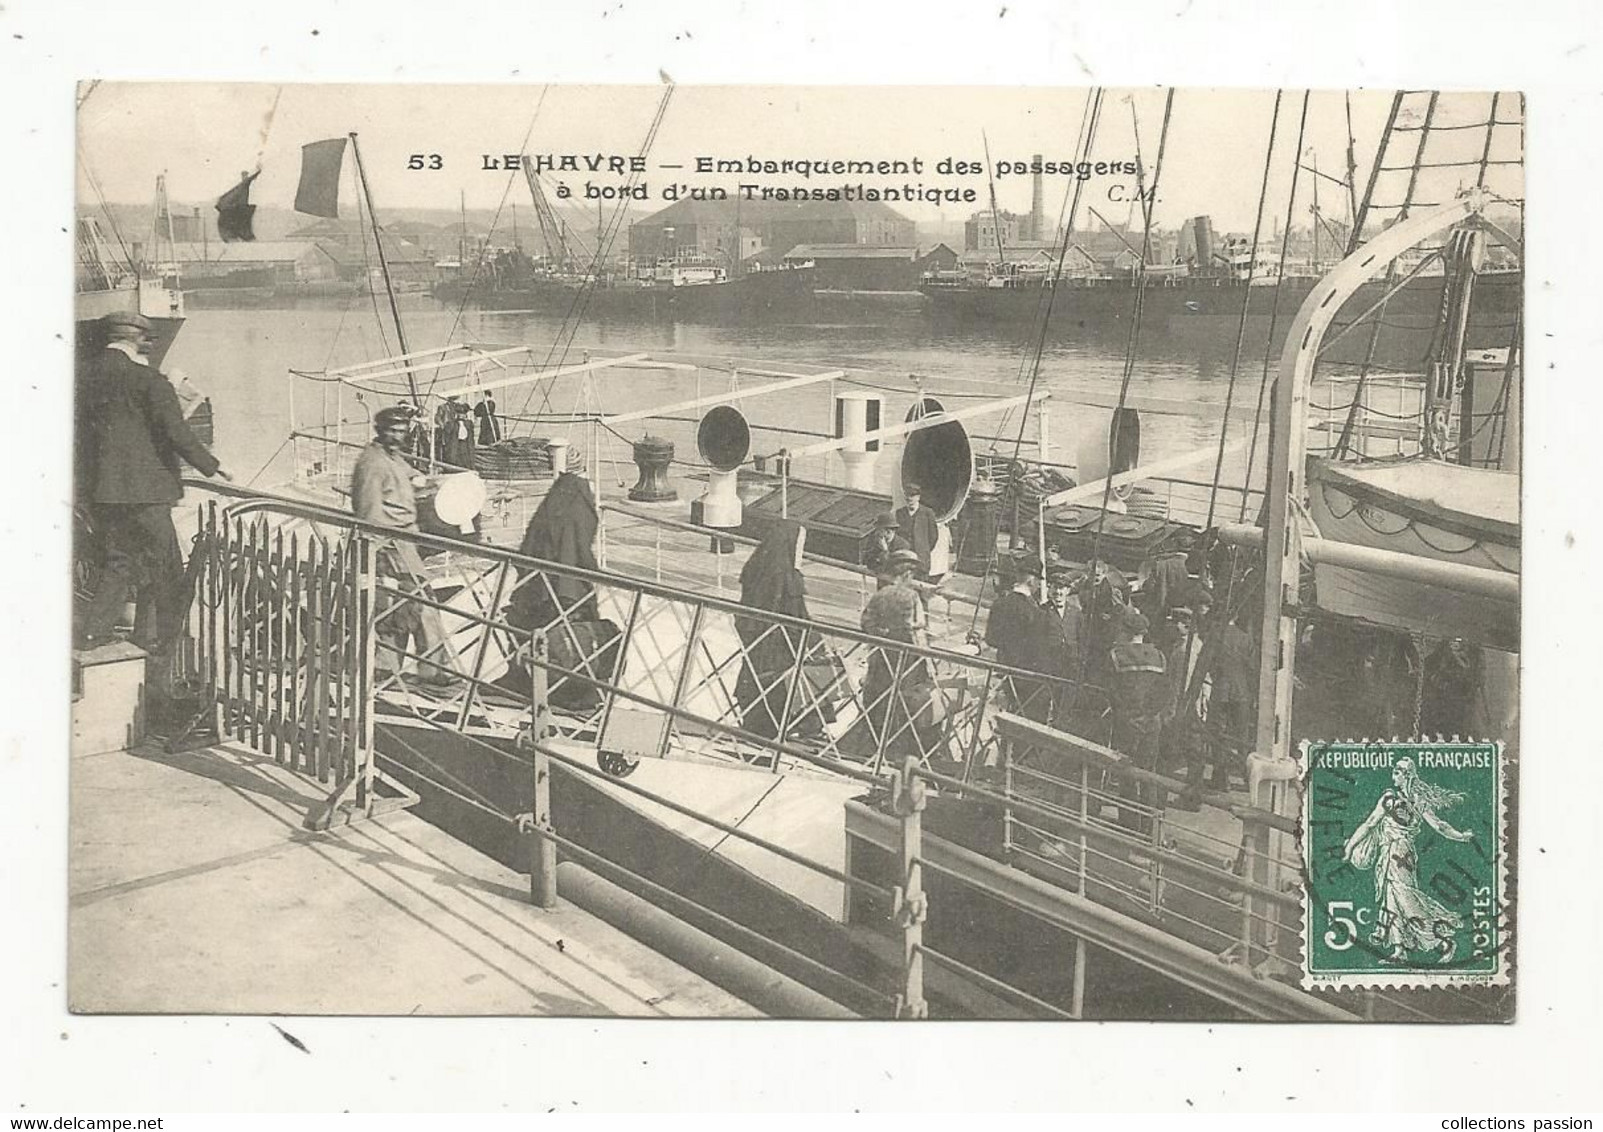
x=1314, y=155
x=1352, y=167
x=384, y=266
x=1355, y=237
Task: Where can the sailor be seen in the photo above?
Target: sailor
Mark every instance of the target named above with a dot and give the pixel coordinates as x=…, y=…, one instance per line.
x=917, y=526
x=882, y=540
x=382, y=494
x=1142, y=700
x=131, y=437
x=1019, y=631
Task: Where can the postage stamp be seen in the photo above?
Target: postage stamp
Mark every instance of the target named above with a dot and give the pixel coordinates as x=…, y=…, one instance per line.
x=1405, y=851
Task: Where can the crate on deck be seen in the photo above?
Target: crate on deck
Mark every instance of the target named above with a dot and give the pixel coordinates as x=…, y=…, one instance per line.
x=839, y=520
x=1126, y=541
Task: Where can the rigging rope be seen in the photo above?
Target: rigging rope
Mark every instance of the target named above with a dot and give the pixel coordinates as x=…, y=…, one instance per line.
x=1246, y=305
x=1274, y=318
x=1131, y=345
x=495, y=220
x=605, y=237
x=1090, y=116
x=367, y=264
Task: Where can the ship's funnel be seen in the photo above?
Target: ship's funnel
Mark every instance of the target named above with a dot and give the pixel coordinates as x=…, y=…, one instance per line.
x=1202, y=239
x=724, y=440
x=940, y=460
x=855, y=414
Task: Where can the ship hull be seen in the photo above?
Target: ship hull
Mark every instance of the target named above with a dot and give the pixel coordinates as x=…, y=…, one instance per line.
x=759, y=295
x=1207, y=311
x=92, y=306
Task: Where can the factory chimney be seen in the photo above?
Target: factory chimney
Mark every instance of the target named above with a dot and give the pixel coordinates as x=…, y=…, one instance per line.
x=1037, y=204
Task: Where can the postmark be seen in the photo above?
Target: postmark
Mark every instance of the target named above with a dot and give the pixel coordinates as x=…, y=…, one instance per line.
x=1406, y=861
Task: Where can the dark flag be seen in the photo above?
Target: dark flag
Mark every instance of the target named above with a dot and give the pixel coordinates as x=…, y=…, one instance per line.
x=235, y=212
x=319, y=191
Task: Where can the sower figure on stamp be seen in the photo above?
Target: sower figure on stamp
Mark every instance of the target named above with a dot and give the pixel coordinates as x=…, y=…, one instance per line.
x=1407, y=918
x=382, y=494
x=131, y=439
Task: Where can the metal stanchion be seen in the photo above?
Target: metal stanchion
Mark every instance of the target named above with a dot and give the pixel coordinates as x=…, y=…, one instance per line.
x=908, y=905
x=542, y=850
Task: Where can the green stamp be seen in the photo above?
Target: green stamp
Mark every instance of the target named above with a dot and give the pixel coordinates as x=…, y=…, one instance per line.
x=1405, y=854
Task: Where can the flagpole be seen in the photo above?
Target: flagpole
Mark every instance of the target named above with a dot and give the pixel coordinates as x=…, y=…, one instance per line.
x=384, y=266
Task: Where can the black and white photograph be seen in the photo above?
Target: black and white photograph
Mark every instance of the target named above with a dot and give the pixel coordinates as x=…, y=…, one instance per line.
x=817, y=580
x=743, y=557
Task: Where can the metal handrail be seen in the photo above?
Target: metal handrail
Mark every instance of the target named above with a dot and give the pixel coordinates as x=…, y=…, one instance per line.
x=305, y=509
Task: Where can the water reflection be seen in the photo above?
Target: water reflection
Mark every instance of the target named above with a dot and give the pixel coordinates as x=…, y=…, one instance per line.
x=243, y=357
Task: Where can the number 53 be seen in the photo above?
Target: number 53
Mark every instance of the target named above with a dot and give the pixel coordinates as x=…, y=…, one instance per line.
x=425, y=161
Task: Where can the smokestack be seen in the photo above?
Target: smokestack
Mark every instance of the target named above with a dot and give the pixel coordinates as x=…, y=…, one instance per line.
x=1037, y=203
x=1204, y=241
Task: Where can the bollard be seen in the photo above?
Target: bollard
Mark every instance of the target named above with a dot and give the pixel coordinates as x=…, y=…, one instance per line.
x=908, y=905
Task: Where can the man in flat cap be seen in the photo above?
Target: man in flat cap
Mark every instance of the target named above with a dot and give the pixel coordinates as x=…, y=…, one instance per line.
x=131, y=440
x=382, y=494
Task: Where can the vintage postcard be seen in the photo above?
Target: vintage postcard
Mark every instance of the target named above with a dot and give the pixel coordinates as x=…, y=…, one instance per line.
x=806, y=552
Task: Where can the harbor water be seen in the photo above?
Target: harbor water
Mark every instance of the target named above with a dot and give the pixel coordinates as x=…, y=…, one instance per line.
x=242, y=359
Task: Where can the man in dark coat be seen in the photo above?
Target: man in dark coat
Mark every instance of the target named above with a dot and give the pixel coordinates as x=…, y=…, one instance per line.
x=917, y=526
x=131, y=439
x=1143, y=701
x=1022, y=635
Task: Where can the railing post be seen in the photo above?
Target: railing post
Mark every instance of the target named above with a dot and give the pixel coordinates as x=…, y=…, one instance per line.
x=908, y=904
x=1005, y=756
x=366, y=679
x=542, y=850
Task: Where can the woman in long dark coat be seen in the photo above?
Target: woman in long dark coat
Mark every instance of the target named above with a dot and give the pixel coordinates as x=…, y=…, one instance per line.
x=563, y=530
x=772, y=581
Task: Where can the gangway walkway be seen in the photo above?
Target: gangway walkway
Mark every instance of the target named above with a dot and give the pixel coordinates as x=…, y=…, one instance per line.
x=194, y=889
